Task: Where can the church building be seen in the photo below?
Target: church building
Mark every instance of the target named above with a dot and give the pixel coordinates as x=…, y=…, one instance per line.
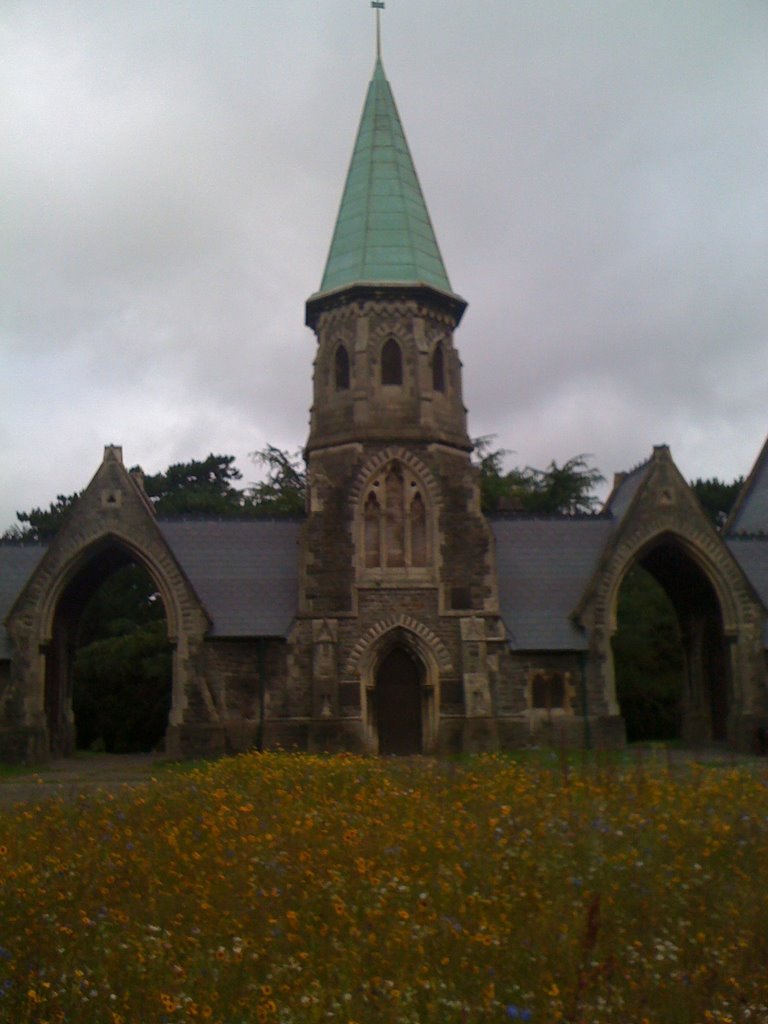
x=394, y=618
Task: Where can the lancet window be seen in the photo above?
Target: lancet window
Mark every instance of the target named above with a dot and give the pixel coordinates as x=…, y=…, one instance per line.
x=391, y=363
x=438, y=368
x=395, y=527
x=341, y=368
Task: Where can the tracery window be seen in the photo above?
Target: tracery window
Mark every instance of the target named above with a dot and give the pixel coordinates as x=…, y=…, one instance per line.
x=391, y=363
x=438, y=368
x=341, y=368
x=395, y=529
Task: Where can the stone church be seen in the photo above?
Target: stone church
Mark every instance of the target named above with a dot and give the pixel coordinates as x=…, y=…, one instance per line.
x=394, y=617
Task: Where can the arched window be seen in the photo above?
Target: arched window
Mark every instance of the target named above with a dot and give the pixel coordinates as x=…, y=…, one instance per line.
x=394, y=537
x=391, y=363
x=418, y=531
x=438, y=368
x=341, y=369
x=372, y=529
x=394, y=521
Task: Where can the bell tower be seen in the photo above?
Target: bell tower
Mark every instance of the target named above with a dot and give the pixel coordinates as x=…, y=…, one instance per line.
x=386, y=368
x=398, y=603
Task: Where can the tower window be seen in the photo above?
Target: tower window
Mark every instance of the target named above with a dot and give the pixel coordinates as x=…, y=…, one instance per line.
x=391, y=363
x=438, y=368
x=394, y=521
x=372, y=527
x=341, y=369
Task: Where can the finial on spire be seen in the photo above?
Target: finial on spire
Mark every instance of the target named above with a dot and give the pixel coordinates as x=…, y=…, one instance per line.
x=379, y=7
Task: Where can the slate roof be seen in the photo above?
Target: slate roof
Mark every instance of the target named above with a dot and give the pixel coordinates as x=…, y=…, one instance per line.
x=244, y=571
x=246, y=574
x=621, y=496
x=544, y=566
x=750, y=512
x=752, y=555
x=383, y=231
x=17, y=563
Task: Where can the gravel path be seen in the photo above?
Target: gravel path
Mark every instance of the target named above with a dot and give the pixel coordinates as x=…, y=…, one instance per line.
x=71, y=776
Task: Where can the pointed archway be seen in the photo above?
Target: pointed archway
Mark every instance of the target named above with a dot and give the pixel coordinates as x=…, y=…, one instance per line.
x=398, y=702
x=670, y=653
x=111, y=525
x=108, y=664
x=660, y=526
x=706, y=698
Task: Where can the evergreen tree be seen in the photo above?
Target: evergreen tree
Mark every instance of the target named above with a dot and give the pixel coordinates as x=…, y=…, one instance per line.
x=564, y=490
x=717, y=497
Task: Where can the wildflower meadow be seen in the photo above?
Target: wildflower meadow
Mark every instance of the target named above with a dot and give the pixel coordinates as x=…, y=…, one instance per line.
x=293, y=889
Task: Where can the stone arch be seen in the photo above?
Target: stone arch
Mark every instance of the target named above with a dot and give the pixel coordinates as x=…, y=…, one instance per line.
x=704, y=549
x=390, y=454
x=43, y=623
x=438, y=367
x=391, y=362
x=166, y=578
x=404, y=633
x=395, y=504
x=341, y=368
x=714, y=610
x=426, y=643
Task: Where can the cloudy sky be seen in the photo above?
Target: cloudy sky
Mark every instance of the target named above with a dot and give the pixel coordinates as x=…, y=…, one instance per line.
x=597, y=174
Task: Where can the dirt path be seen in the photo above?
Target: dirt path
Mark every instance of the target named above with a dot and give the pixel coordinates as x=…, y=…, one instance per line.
x=88, y=773
x=71, y=776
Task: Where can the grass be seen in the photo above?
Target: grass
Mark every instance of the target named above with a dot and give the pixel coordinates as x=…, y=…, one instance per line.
x=292, y=888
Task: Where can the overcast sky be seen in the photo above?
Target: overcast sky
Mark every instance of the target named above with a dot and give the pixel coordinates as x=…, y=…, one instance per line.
x=596, y=172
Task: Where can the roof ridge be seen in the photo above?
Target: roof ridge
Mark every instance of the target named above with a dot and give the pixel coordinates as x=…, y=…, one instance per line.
x=551, y=517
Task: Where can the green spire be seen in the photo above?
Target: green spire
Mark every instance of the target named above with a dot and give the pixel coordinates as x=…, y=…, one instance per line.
x=383, y=231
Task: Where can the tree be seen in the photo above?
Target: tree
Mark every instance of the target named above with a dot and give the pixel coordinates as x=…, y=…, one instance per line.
x=283, y=492
x=648, y=659
x=41, y=524
x=200, y=487
x=122, y=690
x=717, y=497
x=566, y=489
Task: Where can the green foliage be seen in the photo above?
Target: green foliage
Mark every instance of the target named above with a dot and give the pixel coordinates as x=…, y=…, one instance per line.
x=122, y=690
x=200, y=487
x=125, y=602
x=41, y=524
x=566, y=489
x=717, y=497
x=122, y=668
x=283, y=492
x=648, y=659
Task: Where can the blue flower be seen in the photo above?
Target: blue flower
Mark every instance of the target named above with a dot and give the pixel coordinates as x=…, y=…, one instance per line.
x=519, y=1013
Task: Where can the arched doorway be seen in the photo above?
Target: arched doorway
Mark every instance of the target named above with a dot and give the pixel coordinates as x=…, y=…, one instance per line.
x=398, y=703
x=687, y=656
x=108, y=667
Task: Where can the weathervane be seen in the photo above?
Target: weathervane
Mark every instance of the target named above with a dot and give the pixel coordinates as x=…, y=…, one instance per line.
x=379, y=7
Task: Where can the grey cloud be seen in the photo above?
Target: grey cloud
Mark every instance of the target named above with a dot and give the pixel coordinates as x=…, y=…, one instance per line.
x=595, y=173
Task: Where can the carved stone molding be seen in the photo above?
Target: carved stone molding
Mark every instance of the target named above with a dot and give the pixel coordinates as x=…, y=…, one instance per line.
x=407, y=623
x=391, y=454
